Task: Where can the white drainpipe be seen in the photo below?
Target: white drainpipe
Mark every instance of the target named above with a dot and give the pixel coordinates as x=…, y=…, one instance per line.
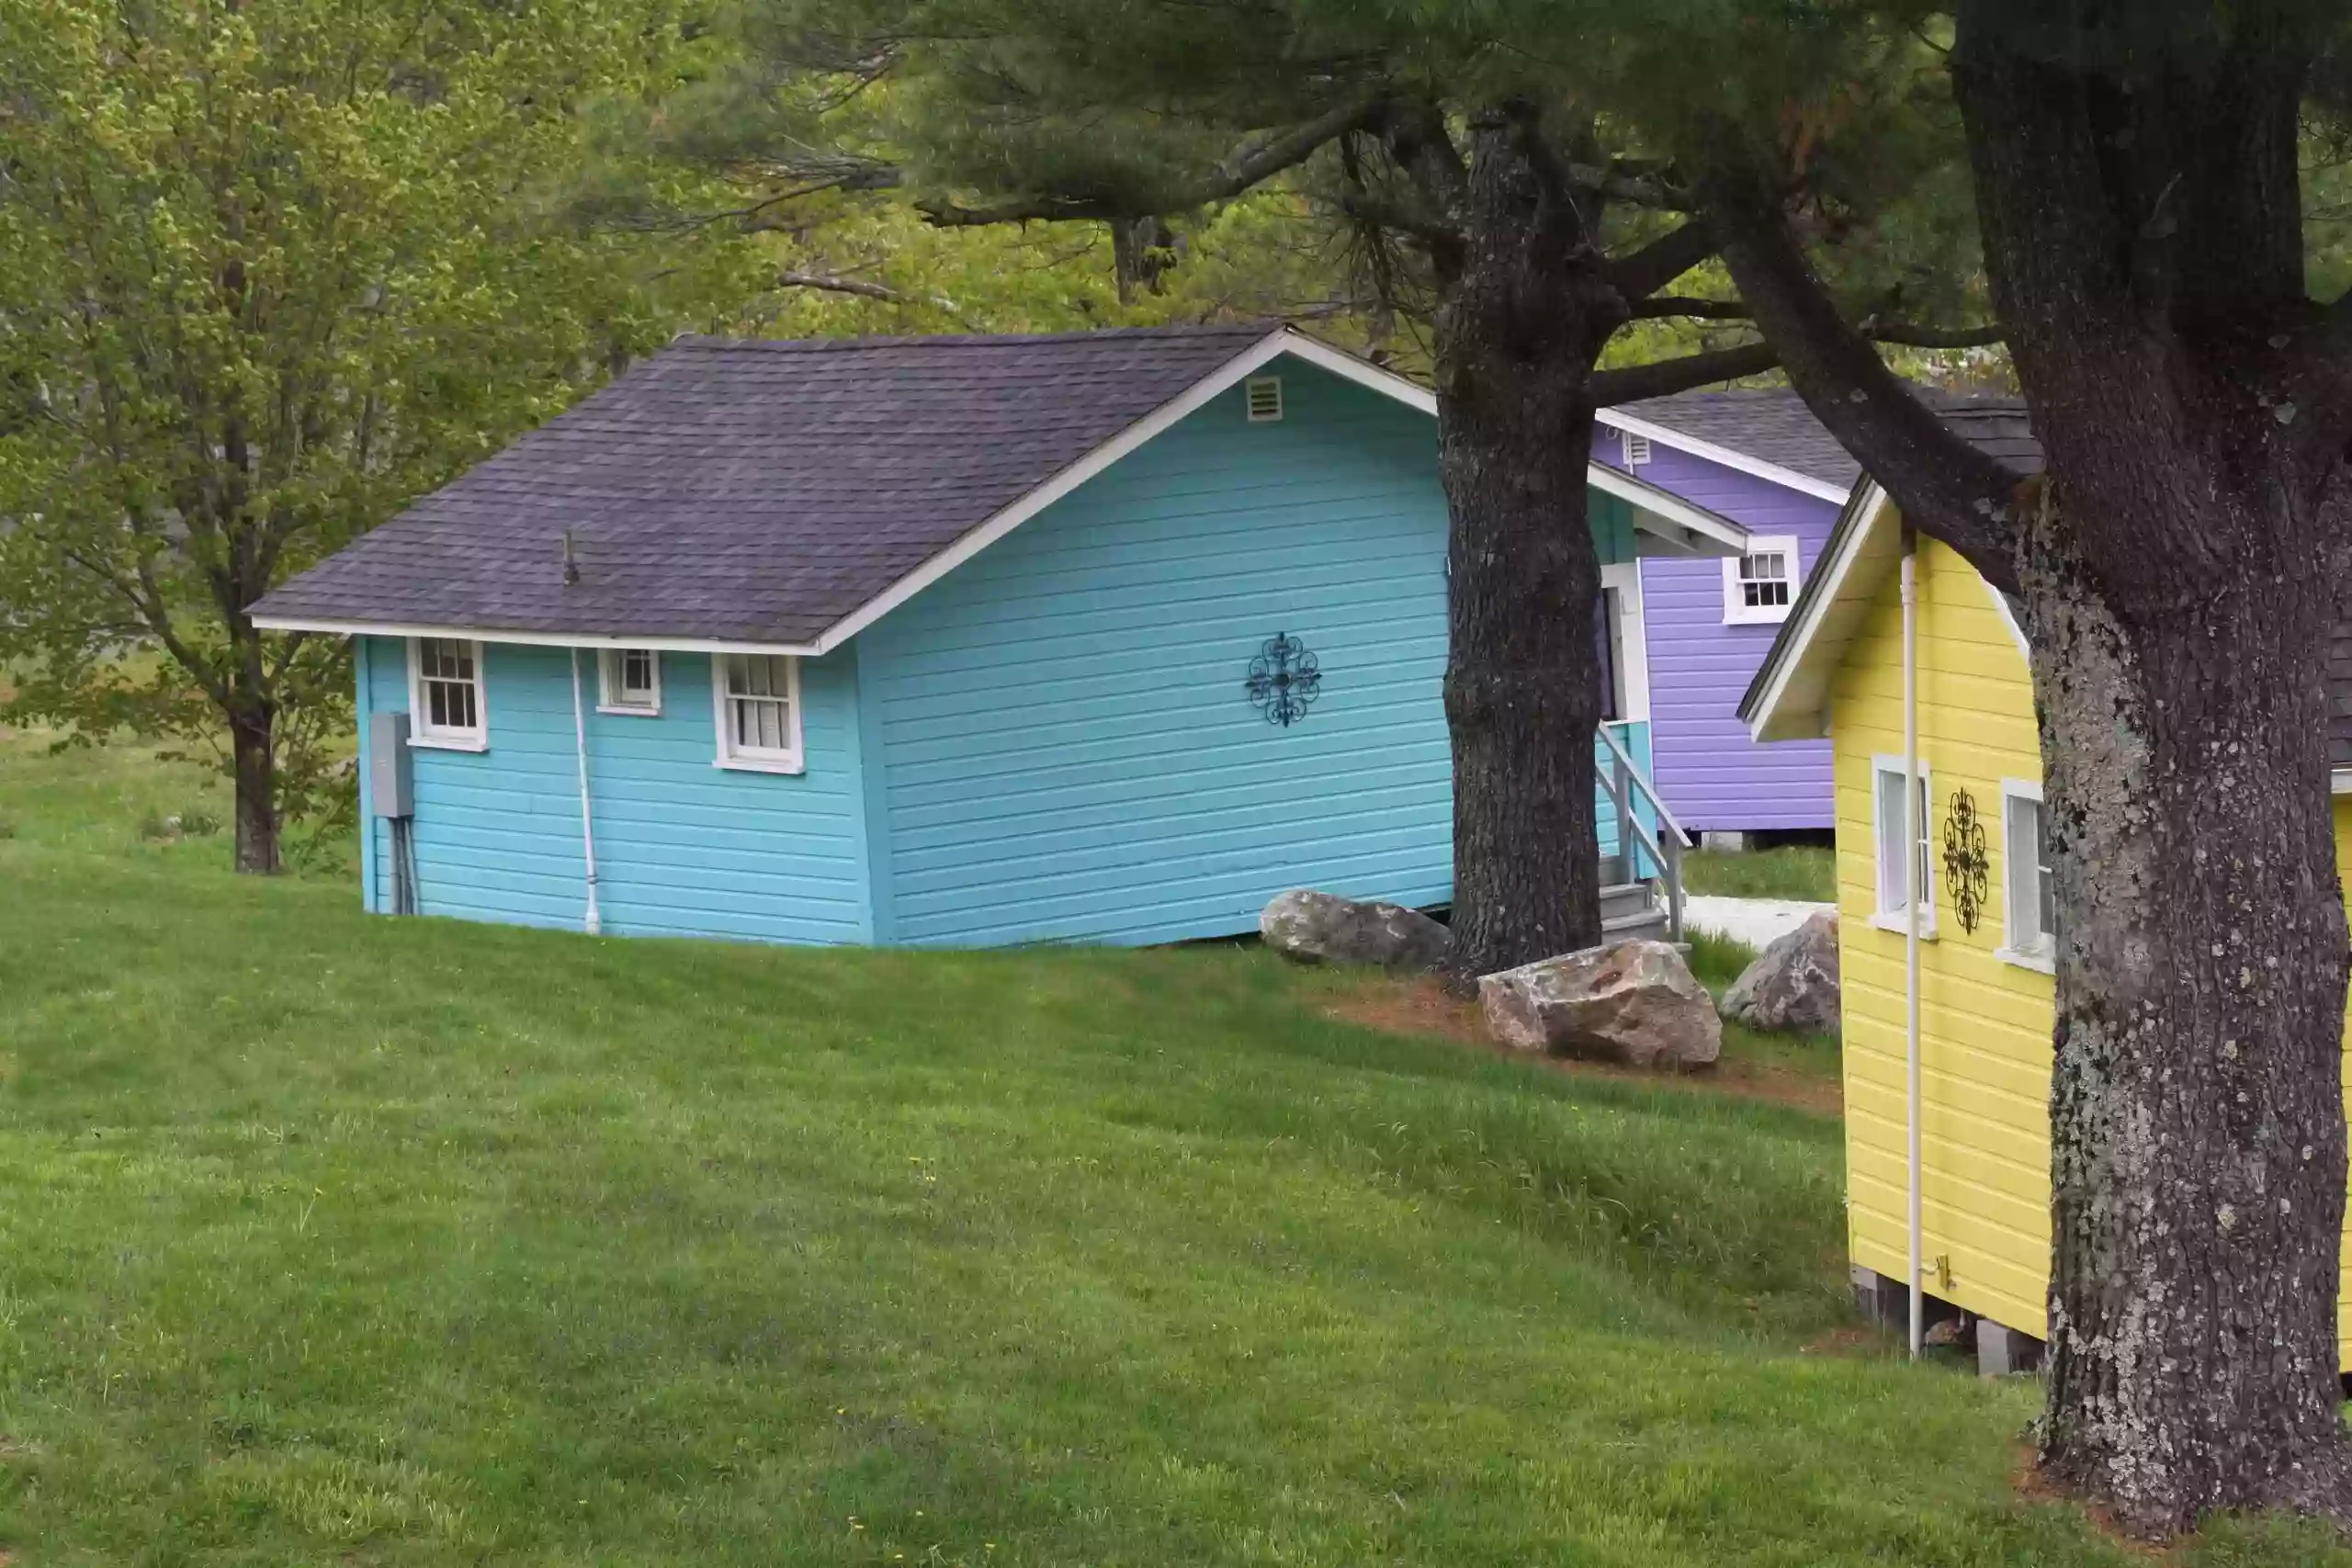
x=1918, y=836
x=593, y=922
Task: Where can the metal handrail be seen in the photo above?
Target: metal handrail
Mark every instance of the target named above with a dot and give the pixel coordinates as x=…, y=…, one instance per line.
x=1620, y=778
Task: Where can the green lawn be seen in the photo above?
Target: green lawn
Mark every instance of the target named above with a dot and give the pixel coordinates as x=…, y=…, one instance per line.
x=1797, y=872
x=334, y=1240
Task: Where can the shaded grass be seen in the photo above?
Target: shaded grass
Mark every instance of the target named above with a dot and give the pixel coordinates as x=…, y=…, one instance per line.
x=330, y=1239
x=1796, y=872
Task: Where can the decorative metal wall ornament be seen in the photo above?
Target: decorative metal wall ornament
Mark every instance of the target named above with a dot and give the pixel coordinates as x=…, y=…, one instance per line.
x=1284, y=679
x=1964, y=864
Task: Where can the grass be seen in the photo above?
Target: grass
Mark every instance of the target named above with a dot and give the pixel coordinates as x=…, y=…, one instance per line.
x=1797, y=872
x=326, y=1239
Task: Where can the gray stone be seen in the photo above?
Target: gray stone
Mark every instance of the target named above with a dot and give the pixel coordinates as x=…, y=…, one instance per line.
x=1792, y=985
x=1323, y=928
x=1635, y=1002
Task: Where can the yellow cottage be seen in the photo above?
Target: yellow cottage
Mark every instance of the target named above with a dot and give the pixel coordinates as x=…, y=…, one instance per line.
x=1985, y=979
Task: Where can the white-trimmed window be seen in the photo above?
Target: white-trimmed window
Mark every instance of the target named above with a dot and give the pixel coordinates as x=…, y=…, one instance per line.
x=445, y=694
x=1902, y=839
x=1760, y=586
x=2028, y=893
x=628, y=680
x=758, y=701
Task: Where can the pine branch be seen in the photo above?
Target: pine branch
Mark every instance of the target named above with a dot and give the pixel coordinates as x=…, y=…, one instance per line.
x=1945, y=487
x=1662, y=305
x=1245, y=169
x=1644, y=271
x=1667, y=376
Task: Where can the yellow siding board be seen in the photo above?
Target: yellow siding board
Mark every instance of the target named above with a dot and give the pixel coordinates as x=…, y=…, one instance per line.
x=1984, y=1023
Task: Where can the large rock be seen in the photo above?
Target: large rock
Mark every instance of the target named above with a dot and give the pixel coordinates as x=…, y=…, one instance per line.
x=1792, y=985
x=1323, y=928
x=1635, y=1002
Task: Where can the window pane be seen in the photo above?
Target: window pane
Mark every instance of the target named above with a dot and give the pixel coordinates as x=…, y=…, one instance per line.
x=1893, y=843
x=637, y=675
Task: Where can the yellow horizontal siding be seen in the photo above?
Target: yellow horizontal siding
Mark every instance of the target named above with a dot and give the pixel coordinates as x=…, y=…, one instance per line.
x=1984, y=1023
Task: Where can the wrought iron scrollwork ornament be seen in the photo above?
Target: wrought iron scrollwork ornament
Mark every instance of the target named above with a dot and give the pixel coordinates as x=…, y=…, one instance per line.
x=1284, y=679
x=1964, y=864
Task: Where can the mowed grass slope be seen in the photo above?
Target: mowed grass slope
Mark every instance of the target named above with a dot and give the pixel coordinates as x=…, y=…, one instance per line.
x=330, y=1239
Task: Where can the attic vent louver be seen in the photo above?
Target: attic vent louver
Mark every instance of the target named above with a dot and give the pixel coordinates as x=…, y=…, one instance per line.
x=1265, y=397
x=1637, y=448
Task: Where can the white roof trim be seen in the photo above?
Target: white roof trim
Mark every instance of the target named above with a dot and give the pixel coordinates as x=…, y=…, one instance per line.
x=1699, y=527
x=2010, y=619
x=2339, y=782
x=1821, y=590
x=1620, y=420
x=1686, y=527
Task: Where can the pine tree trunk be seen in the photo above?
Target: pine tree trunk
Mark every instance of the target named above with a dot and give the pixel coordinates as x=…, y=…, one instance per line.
x=1518, y=336
x=2197, y=1117
x=255, y=755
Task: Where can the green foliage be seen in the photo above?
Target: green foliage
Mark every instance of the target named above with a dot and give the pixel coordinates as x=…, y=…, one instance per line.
x=269, y=272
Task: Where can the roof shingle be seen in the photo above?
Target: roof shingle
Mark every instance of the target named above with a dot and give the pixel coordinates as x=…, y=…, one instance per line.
x=754, y=492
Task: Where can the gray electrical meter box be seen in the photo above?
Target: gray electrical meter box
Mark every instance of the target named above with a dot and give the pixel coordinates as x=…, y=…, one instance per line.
x=391, y=772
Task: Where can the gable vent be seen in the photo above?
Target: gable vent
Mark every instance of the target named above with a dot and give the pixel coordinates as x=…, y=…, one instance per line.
x=1265, y=396
x=1637, y=448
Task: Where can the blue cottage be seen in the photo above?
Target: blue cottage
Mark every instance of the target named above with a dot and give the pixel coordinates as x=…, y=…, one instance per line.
x=1103, y=636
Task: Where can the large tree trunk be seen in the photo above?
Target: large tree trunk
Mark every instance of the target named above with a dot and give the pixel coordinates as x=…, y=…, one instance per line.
x=1518, y=334
x=2196, y=1121
x=2144, y=238
x=253, y=752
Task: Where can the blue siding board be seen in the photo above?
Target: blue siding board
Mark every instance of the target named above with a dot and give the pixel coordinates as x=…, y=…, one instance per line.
x=1065, y=750
x=682, y=846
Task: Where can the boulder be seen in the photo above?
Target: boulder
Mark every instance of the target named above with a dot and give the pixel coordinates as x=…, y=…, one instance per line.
x=1323, y=928
x=1635, y=1002
x=1792, y=985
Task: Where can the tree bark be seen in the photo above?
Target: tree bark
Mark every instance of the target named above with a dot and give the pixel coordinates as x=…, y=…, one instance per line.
x=2143, y=239
x=254, y=752
x=2197, y=1122
x=1518, y=332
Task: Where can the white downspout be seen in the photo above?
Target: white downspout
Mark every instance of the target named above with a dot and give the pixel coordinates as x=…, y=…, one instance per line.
x=593, y=922
x=1915, y=835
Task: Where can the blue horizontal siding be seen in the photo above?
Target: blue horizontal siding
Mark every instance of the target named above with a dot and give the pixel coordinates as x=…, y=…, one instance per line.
x=683, y=847
x=1066, y=752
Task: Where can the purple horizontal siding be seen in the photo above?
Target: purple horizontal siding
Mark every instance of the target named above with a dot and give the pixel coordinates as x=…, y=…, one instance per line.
x=1711, y=775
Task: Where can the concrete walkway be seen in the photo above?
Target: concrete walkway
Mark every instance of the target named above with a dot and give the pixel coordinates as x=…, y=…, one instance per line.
x=1756, y=921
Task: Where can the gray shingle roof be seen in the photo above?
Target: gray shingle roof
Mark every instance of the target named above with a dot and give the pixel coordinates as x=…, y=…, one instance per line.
x=754, y=492
x=1771, y=423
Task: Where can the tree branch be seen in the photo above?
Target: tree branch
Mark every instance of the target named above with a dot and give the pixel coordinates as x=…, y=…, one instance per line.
x=1641, y=272
x=1667, y=377
x=1244, y=170
x=1945, y=487
x=1659, y=305
x=829, y=283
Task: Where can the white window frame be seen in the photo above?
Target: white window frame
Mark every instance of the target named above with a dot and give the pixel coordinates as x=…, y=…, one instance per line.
x=1898, y=918
x=2039, y=951
x=422, y=730
x=1737, y=611
x=788, y=759
x=611, y=697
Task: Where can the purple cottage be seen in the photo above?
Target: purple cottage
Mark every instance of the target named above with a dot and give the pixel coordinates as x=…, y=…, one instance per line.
x=1761, y=460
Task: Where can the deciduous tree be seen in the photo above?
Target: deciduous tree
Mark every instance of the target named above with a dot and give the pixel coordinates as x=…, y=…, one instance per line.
x=267, y=270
